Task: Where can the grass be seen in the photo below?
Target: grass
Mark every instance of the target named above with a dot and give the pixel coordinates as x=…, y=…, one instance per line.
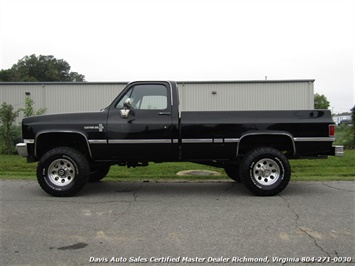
x=331, y=169
x=15, y=167
x=334, y=168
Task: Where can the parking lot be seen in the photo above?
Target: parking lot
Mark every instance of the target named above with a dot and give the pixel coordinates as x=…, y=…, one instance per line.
x=177, y=223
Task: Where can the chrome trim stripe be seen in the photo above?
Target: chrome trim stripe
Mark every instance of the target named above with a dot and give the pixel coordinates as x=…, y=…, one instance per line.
x=175, y=141
x=231, y=140
x=197, y=140
x=314, y=139
x=219, y=140
x=31, y=141
x=97, y=141
x=139, y=141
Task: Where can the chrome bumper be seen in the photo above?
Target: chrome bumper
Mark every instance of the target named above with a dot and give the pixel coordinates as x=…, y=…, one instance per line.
x=338, y=150
x=22, y=149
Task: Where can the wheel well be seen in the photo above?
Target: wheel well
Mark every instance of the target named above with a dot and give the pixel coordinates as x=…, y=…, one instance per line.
x=48, y=141
x=283, y=143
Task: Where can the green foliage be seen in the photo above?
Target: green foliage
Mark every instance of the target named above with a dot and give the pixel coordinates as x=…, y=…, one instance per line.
x=352, y=130
x=8, y=130
x=29, y=109
x=345, y=136
x=11, y=134
x=320, y=102
x=42, y=68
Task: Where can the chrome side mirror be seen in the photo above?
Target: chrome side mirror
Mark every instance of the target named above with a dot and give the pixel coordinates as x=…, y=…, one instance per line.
x=127, y=108
x=127, y=103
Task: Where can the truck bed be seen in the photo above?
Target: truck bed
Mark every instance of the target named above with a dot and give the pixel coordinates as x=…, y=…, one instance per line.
x=303, y=131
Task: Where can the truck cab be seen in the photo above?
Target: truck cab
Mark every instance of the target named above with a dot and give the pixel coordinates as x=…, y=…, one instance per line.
x=143, y=122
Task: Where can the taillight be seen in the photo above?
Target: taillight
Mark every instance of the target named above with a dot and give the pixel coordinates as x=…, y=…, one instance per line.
x=332, y=130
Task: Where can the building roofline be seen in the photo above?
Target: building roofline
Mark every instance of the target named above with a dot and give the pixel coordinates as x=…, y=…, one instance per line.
x=247, y=81
x=63, y=83
x=179, y=82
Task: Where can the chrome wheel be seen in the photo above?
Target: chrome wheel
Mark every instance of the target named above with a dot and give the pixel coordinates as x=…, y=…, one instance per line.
x=61, y=172
x=266, y=172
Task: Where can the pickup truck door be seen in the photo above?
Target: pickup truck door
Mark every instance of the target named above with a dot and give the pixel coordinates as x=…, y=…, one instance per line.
x=146, y=133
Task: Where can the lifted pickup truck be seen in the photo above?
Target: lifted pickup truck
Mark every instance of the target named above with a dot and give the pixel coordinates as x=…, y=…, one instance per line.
x=144, y=124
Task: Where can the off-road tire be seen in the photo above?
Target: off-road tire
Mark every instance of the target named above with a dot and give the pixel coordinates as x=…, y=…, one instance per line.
x=265, y=171
x=63, y=172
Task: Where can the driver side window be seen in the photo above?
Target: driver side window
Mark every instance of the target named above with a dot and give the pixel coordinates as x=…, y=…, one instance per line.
x=146, y=97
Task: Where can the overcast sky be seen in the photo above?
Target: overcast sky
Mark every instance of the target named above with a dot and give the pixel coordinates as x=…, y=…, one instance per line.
x=190, y=40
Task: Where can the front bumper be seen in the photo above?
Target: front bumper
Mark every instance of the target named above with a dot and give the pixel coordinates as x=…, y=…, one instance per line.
x=22, y=149
x=338, y=150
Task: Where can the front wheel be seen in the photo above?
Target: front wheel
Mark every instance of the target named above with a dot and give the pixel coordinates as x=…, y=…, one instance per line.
x=265, y=171
x=62, y=172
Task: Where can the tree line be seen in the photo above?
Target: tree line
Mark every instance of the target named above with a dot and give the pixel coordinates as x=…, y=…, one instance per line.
x=34, y=68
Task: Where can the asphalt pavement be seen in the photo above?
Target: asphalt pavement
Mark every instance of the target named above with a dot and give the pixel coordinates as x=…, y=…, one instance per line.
x=206, y=223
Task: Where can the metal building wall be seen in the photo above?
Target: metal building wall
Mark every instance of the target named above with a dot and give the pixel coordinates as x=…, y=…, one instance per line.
x=60, y=97
x=194, y=96
x=248, y=95
x=15, y=94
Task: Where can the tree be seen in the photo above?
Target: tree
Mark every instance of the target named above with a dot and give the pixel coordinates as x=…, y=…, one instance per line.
x=7, y=120
x=42, y=68
x=320, y=102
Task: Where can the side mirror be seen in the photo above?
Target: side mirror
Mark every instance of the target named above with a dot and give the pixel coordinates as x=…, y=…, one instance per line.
x=127, y=106
x=127, y=103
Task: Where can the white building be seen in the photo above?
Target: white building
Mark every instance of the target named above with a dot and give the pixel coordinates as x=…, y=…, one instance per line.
x=342, y=117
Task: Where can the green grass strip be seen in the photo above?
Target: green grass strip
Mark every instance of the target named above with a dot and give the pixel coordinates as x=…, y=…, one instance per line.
x=333, y=168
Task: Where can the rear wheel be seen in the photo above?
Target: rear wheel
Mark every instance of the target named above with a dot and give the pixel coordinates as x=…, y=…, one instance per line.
x=265, y=171
x=62, y=172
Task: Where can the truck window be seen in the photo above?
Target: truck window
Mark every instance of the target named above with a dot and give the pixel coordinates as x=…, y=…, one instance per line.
x=146, y=97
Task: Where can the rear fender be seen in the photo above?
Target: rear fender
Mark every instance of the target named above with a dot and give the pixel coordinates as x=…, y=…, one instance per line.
x=277, y=139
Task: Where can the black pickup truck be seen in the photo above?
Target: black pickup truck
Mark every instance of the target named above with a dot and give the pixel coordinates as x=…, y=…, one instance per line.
x=144, y=124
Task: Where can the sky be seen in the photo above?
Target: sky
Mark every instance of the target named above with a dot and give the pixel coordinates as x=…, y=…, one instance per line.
x=190, y=40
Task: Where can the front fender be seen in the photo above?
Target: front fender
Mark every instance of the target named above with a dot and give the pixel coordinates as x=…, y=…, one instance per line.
x=48, y=139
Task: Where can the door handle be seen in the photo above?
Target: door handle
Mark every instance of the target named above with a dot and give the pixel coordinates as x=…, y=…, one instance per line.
x=164, y=113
